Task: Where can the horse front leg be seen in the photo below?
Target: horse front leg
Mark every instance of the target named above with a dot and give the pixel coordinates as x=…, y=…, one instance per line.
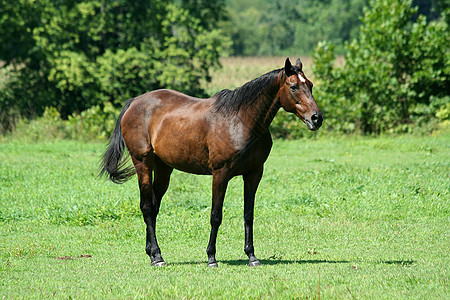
x=150, y=208
x=219, y=187
x=251, y=182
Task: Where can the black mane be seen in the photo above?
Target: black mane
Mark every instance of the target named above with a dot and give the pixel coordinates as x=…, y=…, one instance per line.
x=229, y=101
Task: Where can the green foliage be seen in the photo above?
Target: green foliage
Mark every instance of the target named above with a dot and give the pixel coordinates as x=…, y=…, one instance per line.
x=93, y=124
x=283, y=27
x=73, y=55
x=49, y=126
x=389, y=81
x=288, y=126
x=126, y=74
x=261, y=27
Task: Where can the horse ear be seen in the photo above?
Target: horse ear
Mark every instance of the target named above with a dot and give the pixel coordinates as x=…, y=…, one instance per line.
x=299, y=64
x=288, y=68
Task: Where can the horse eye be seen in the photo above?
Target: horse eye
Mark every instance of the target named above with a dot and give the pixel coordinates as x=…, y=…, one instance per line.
x=294, y=87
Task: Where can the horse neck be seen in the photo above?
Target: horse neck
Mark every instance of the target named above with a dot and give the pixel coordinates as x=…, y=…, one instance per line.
x=265, y=106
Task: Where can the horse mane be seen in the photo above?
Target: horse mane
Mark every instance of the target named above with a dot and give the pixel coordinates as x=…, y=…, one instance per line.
x=231, y=101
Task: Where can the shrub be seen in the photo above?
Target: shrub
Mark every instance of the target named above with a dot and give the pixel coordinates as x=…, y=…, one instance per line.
x=395, y=75
x=288, y=126
x=73, y=55
x=47, y=127
x=94, y=124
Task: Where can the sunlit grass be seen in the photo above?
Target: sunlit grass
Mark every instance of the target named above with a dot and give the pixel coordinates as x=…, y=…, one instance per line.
x=339, y=218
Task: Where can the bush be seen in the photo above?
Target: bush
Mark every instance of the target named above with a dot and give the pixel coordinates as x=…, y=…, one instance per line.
x=93, y=124
x=396, y=75
x=73, y=55
x=288, y=126
x=47, y=127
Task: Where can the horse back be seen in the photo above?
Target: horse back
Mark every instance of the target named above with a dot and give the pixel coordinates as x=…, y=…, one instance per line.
x=171, y=125
x=187, y=134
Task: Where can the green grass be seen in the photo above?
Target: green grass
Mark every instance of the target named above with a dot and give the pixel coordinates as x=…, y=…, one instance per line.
x=334, y=218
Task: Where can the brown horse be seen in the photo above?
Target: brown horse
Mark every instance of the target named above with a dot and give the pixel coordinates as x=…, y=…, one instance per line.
x=223, y=136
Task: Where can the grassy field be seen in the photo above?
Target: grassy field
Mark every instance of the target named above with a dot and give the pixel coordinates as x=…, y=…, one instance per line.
x=334, y=218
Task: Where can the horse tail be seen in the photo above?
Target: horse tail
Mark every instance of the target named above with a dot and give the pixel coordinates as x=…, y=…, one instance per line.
x=113, y=164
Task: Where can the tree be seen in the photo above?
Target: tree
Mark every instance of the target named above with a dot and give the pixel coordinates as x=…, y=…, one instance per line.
x=74, y=54
x=262, y=27
x=396, y=73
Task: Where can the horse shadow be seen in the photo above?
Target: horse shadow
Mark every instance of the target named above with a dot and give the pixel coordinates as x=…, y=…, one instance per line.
x=273, y=262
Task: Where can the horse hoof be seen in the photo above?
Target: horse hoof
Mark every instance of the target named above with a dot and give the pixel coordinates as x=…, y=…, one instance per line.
x=213, y=265
x=254, y=263
x=159, y=264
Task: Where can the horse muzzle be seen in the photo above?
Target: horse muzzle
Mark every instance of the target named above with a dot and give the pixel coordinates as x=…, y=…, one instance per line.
x=314, y=121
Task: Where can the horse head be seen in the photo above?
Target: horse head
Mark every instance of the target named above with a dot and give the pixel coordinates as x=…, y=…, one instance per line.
x=296, y=96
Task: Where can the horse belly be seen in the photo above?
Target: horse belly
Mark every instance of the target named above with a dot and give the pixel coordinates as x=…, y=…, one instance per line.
x=186, y=161
x=182, y=145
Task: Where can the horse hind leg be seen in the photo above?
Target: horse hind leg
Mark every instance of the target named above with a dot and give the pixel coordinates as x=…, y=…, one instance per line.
x=149, y=206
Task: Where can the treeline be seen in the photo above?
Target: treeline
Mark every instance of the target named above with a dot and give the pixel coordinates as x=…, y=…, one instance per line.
x=283, y=27
x=396, y=76
x=73, y=55
x=278, y=27
x=85, y=58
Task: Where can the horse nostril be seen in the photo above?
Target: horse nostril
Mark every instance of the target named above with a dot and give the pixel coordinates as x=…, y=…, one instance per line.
x=317, y=119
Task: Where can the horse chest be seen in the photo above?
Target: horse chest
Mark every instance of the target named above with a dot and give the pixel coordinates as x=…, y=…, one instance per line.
x=255, y=154
x=240, y=154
